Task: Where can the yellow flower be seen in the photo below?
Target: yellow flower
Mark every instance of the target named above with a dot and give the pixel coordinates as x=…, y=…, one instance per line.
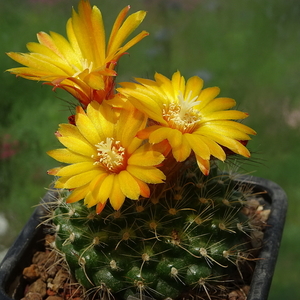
x=189, y=117
x=83, y=64
x=106, y=159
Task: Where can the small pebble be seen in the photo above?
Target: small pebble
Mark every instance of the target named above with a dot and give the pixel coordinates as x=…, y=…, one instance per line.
x=31, y=273
x=54, y=298
x=32, y=296
x=39, y=286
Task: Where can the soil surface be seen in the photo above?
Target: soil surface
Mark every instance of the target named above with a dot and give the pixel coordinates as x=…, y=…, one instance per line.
x=48, y=277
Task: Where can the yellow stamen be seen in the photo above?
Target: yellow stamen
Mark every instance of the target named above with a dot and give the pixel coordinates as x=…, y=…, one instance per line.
x=181, y=115
x=110, y=154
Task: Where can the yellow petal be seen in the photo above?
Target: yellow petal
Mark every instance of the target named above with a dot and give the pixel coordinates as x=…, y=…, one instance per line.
x=129, y=25
x=237, y=125
x=42, y=49
x=103, y=118
x=182, y=152
x=241, y=149
x=67, y=130
x=75, y=169
x=94, y=188
x=167, y=86
x=206, y=96
x=81, y=179
x=46, y=40
x=106, y=188
x=145, y=133
x=193, y=87
x=178, y=83
x=90, y=200
x=139, y=97
x=117, y=24
x=229, y=143
x=146, y=174
x=129, y=44
x=116, y=197
x=96, y=182
x=78, y=146
x=198, y=145
x=175, y=138
x=226, y=131
x=218, y=104
x=130, y=122
x=78, y=194
x=87, y=128
x=159, y=135
x=99, y=36
x=36, y=63
x=215, y=149
x=83, y=30
x=66, y=50
x=225, y=115
x=73, y=41
x=143, y=156
x=128, y=185
x=144, y=188
x=60, y=183
x=31, y=73
x=160, y=91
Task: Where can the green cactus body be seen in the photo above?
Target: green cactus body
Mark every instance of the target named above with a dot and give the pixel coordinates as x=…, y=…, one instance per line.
x=179, y=245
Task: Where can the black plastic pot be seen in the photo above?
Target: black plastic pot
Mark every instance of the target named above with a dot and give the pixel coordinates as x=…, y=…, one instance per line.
x=27, y=243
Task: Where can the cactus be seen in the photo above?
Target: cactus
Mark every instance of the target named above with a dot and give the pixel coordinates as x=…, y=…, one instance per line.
x=184, y=241
x=166, y=223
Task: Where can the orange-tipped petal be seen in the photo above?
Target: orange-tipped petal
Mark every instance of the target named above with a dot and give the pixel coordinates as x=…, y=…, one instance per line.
x=54, y=171
x=204, y=165
x=100, y=207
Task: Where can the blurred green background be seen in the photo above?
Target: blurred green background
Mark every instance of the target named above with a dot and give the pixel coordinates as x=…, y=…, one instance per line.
x=249, y=48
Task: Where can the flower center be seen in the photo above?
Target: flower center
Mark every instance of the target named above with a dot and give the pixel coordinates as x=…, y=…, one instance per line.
x=181, y=115
x=111, y=155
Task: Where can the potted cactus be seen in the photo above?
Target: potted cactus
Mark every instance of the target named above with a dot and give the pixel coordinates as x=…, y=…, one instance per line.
x=141, y=207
